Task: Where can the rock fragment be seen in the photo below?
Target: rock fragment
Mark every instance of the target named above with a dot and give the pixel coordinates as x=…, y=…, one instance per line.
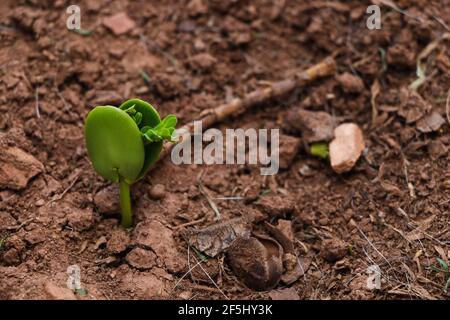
x=58, y=293
x=80, y=219
x=202, y=61
x=275, y=206
x=17, y=167
x=118, y=242
x=350, y=83
x=157, y=192
x=346, y=148
x=315, y=126
x=154, y=235
x=333, y=249
x=141, y=259
x=107, y=200
x=119, y=23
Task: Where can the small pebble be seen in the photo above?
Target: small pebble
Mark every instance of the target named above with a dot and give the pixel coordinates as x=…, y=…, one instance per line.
x=157, y=192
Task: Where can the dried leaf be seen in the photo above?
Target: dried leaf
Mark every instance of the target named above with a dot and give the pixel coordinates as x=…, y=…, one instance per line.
x=216, y=238
x=431, y=122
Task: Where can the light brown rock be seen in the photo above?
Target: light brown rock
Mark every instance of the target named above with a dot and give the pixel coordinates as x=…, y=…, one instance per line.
x=107, y=200
x=141, y=259
x=157, y=237
x=350, y=83
x=58, y=293
x=315, y=126
x=118, y=242
x=346, y=148
x=119, y=23
x=80, y=219
x=157, y=192
x=17, y=167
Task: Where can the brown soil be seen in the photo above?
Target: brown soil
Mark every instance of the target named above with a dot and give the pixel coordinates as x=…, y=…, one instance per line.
x=392, y=209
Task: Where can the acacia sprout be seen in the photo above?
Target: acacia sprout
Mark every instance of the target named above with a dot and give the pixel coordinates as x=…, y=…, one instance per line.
x=123, y=142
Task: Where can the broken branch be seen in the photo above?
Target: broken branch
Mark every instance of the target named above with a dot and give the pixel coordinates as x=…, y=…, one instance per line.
x=238, y=106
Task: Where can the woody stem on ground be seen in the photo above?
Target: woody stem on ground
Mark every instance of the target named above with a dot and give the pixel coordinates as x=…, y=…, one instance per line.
x=237, y=106
x=125, y=204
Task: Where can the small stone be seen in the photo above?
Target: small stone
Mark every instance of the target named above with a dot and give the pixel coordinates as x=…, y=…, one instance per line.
x=346, y=148
x=334, y=249
x=119, y=23
x=202, y=61
x=17, y=167
x=58, y=293
x=146, y=284
x=35, y=236
x=118, y=242
x=288, y=149
x=40, y=203
x=306, y=171
x=141, y=259
x=107, y=200
x=157, y=192
x=315, y=126
x=350, y=83
x=185, y=295
x=275, y=206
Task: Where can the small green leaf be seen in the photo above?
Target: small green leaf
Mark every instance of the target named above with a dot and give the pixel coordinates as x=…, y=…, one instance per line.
x=320, y=149
x=138, y=118
x=170, y=121
x=443, y=265
x=145, y=76
x=81, y=292
x=83, y=32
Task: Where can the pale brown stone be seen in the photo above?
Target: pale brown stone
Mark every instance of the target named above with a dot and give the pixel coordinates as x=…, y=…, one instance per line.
x=119, y=23
x=346, y=148
x=17, y=167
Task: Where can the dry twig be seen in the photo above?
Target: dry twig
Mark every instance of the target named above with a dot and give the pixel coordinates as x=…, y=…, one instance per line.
x=238, y=106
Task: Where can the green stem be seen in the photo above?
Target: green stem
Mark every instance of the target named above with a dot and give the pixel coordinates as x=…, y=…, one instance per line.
x=125, y=204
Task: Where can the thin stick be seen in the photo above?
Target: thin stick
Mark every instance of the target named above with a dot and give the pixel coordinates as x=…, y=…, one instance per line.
x=238, y=106
x=447, y=106
x=60, y=196
x=188, y=224
x=38, y=114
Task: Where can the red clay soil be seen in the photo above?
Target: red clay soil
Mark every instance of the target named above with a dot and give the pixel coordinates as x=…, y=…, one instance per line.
x=390, y=210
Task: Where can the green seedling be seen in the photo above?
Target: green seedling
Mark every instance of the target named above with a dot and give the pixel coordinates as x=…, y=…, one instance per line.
x=320, y=149
x=124, y=142
x=445, y=270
